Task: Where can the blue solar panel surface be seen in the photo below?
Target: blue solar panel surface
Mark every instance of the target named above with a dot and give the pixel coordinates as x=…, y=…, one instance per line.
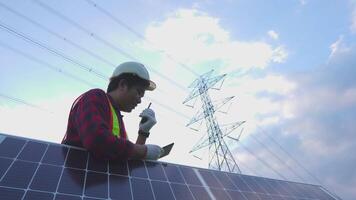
x=35, y=170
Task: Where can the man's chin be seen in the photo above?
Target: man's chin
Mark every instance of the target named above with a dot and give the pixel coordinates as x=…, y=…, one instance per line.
x=128, y=109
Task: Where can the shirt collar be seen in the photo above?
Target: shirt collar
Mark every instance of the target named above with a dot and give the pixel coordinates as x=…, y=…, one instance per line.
x=116, y=107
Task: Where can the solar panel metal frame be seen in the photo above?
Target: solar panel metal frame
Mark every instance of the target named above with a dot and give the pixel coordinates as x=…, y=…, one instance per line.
x=29, y=175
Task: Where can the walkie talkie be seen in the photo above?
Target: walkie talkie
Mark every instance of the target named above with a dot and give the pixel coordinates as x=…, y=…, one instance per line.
x=144, y=119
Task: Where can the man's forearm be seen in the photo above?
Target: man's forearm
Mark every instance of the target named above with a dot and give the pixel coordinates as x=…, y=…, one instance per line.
x=141, y=139
x=139, y=151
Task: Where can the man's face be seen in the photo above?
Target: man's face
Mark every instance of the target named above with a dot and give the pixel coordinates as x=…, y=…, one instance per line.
x=131, y=97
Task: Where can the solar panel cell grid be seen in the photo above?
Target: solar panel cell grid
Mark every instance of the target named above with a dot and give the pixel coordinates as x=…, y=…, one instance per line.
x=119, y=168
x=251, y=196
x=55, y=155
x=33, y=151
x=4, y=165
x=119, y=187
x=199, y=192
x=96, y=185
x=38, y=195
x=268, y=187
x=10, y=147
x=265, y=197
x=155, y=171
x=97, y=165
x=34, y=170
x=66, y=197
x=224, y=180
x=255, y=186
x=72, y=181
x=162, y=190
x=235, y=195
x=173, y=174
x=181, y=192
x=77, y=159
x=11, y=193
x=19, y=175
x=210, y=179
x=190, y=176
x=239, y=183
x=46, y=178
x=141, y=189
x=137, y=169
x=220, y=194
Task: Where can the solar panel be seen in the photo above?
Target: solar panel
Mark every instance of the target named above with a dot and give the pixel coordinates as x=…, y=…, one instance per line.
x=36, y=170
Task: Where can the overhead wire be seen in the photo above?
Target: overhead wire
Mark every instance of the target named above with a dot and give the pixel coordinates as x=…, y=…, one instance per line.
x=56, y=69
x=26, y=38
x=290, y=156
x=102, y=40
x=65, y=57
x=278, y=158
x=21, y=101
x=52, y=50
x=262, y=161
x=299, y=164
x=65, y=39
x=46, y=64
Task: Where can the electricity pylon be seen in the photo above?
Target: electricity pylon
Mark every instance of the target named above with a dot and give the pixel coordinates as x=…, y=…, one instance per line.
x=220, y=156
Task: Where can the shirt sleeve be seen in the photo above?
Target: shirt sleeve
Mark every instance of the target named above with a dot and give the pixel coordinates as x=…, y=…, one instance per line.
x=93, y=125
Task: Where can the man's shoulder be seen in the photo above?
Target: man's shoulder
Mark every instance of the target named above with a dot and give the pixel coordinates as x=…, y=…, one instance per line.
x=95, y=93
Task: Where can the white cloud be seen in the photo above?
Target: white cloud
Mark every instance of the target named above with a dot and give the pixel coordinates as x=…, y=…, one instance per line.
x=338, y=47
x=274, y=35
x=276, y=84
x=194, y=38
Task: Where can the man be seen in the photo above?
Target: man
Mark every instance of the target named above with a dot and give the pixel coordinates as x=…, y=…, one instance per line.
x=95, y=121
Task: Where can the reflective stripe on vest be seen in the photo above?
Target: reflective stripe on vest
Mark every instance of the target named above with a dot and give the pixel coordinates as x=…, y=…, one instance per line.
x=115, y=122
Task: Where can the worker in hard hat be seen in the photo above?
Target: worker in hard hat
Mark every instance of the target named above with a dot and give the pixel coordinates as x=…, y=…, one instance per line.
x=96, y=124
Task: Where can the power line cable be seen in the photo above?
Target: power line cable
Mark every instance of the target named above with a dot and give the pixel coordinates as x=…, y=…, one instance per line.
x=137, y=34
x=47, y=65
x=56, y=69
x=56, y=52
x=51, y=50
x=21, y=101
x=262, y=161
x=278, y=158
x=57, y=35
x=297, y=162
x=289, y=155
x=105, y=42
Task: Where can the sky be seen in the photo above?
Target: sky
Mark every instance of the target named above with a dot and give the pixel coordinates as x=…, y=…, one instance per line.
x=289, y=64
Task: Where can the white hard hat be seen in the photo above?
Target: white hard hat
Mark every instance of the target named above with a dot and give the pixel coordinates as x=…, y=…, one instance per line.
x=134, y=68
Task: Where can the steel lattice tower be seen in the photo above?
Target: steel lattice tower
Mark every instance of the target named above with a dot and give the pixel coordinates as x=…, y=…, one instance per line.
x=220, y=156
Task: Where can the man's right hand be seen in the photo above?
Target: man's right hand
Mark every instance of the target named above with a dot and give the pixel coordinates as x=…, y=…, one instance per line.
x=148, y=120
x=153, y=152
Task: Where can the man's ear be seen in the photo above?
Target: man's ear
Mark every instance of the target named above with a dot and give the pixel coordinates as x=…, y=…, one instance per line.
x=122, y=84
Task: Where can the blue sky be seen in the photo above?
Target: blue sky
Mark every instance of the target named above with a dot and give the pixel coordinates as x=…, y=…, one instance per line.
x=290, y=64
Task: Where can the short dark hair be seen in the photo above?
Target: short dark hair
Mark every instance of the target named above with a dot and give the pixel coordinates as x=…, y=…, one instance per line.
x=131, y=79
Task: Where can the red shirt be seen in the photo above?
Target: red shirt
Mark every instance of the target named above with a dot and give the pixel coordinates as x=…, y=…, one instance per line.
x=89, y=127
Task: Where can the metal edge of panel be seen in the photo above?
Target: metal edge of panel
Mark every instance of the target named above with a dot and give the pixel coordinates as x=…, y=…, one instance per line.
x=38, y=140
x=332, y=194
x=2, y=138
